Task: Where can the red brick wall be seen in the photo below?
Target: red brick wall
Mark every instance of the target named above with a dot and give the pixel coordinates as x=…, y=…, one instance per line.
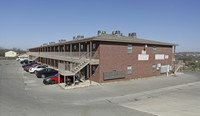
x=115, y=56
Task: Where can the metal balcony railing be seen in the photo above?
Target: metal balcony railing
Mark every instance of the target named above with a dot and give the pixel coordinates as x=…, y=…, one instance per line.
x=33, y=53
x=86, y=55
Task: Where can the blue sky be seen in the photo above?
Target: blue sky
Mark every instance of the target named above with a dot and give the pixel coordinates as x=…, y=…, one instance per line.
x=30, y=23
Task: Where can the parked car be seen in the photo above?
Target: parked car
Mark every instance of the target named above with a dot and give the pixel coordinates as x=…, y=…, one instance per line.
x=46, y=72
x=25, y=61
x=53, y=79
x=36, y=68
x=22, y=58
x=27, y=67
x=29, y=64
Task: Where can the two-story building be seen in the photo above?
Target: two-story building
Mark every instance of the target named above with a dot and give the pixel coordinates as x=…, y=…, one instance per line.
x=107, y=57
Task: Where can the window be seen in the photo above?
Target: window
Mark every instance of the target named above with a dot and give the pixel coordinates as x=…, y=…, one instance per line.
x=129, y=69
x=153, y=67
x=74, y=47
x=67, y=48
x=154, y=49
x=93, y=70
x=129, y=48
x=81, y=46
x=94, y=46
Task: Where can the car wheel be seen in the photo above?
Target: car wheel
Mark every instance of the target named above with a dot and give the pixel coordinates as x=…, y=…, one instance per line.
x=43, y=76
x=51, y=82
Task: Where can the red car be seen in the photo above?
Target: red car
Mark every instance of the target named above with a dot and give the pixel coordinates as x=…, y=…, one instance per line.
x=27, y=67
x=53, y=79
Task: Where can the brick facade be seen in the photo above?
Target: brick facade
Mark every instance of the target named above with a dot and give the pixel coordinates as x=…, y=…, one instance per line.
x=112, y=55
x=115, y=56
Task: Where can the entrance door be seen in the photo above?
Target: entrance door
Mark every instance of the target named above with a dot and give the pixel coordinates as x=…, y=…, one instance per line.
x=88, y=50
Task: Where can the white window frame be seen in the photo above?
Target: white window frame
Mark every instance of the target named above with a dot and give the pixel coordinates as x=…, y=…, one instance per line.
x=82, y=47
x=74, y=47
x=94, y=46
x=153, y=67
x=129, y=69
x=154, y=49
x=130, y=48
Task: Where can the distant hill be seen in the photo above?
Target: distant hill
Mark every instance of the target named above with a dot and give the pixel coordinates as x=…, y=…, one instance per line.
x=188, y=56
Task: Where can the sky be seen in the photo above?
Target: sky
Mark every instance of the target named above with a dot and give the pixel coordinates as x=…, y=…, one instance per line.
x=30, y=23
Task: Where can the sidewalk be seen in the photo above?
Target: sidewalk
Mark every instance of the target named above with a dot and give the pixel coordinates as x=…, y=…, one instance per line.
x=80, y=85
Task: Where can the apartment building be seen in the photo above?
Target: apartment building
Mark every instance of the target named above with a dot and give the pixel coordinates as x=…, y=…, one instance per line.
x=107, y=57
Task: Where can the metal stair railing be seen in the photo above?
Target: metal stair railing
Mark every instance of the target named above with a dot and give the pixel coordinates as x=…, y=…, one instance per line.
x=178, y=66
x=83, y=61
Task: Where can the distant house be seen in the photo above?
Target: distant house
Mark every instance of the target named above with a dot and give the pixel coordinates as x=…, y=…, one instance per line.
x=11, y=54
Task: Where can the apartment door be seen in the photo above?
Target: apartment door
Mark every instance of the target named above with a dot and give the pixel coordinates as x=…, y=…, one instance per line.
x=88, y=50
x=88, y=55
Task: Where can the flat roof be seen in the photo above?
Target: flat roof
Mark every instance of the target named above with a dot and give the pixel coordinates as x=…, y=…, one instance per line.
x=112, y=38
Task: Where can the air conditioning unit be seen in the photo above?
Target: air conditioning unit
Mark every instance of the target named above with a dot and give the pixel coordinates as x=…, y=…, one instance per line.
x=101, y=33
x=132, y=35
x=51, y=43
x=62, y=41
x=45, y=44
x=117, y=33
x=74, y=38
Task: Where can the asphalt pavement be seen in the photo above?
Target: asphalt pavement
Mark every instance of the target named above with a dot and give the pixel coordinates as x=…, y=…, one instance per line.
x=22, y=93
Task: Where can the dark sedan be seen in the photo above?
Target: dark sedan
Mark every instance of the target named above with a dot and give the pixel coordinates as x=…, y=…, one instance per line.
x=45, y=72
x=25, y=61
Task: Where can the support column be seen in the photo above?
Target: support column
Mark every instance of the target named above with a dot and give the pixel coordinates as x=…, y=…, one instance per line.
x=54, y=63
x=74, y=79
x=174, y=59
x=79, y=49
x=59, y=79
x=64, y=80
x=70, y=48
x=90, y=49
x=90, y=73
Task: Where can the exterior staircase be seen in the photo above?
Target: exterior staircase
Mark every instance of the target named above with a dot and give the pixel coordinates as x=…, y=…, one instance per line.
x=82, y=62
x=177, y=68
x=32, y=59
x=81, y=66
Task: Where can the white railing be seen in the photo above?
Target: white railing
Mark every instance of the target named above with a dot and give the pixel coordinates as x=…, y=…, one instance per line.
x=33, y=53
x=64, y=54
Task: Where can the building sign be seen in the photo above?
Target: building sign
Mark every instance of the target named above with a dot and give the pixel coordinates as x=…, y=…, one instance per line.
x=159, y=57
x=143, y=57
x=166, y=56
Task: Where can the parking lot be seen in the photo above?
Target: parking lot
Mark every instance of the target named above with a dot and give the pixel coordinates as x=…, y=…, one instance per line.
x=25, y=94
